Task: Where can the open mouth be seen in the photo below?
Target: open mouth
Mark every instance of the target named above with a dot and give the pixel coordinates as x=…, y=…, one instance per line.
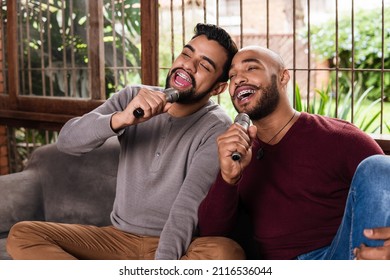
x=244, y=93
x=182, y=79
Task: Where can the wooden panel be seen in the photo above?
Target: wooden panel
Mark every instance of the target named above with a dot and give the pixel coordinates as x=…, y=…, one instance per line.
x=149, y=42
x=42, y=113
x=52, y=105
x=96, y=50
x=384, y=141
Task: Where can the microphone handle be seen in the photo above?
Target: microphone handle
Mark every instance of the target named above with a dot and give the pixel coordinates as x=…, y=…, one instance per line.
x=243, y=120
x=171, y=96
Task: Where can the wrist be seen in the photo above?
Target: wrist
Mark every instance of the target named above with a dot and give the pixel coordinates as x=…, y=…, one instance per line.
x=231, y=180
x=116, y=122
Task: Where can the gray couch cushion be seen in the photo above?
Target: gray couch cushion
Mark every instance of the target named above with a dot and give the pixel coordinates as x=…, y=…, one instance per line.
x=3, y=252
x=60, y=188
x=79, y=189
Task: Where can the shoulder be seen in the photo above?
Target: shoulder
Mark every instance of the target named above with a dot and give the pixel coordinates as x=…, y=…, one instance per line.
x=207, y=123
x=323, y=121
x=132, y=90
x=343, y=132
x=216, y=114
x=328, y=124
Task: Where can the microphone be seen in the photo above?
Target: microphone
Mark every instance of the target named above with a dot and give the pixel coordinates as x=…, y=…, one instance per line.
x=243, y=120
x=171, y=95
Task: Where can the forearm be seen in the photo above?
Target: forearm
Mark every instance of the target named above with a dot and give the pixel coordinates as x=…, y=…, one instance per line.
x=83, y=134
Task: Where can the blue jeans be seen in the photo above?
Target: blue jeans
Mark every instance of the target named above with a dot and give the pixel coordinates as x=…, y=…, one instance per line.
x=368, y=206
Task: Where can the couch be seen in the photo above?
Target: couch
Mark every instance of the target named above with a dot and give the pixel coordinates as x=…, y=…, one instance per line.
x=58, y=187
x=61, y=188
x=72, y=189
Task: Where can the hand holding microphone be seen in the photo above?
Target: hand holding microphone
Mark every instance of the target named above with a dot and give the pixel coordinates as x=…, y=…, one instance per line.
x=171, y=95
x=232, y=144
x=129, y=116
x=243, y=120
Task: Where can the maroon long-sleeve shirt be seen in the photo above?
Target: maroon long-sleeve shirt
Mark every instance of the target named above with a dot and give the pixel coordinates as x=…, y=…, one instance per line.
x=295, y=195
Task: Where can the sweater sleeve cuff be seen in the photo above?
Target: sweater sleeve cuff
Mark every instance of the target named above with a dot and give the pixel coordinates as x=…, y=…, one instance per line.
x=221, y=185
x=103, y=127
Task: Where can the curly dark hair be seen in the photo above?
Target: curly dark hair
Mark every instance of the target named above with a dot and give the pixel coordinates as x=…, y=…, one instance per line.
x=216, y=33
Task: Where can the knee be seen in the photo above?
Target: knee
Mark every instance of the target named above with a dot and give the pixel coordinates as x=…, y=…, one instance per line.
x=17, y=236
x=214, y=248
x=374, y=169
x=373, y=173
x=228, y=249
x=375, y=163
x=19, y=229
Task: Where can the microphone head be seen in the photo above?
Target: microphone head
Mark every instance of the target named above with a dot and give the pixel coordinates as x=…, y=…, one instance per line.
x=171, y=94
x=243, y=120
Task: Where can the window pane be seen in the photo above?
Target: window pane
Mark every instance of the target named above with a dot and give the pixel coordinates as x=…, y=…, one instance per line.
x=122, y=43
x=53, y=53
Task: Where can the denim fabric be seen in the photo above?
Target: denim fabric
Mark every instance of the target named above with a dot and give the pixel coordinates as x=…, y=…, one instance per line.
x=368, y=206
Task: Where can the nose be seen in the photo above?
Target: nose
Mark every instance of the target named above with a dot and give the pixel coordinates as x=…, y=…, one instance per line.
x=190, y=65
x=239, y=79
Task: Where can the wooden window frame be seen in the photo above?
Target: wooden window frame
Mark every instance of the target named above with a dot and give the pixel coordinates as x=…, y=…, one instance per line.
x=51, y=113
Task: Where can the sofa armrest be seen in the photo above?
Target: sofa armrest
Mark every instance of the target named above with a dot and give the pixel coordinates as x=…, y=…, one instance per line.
x=20, y=199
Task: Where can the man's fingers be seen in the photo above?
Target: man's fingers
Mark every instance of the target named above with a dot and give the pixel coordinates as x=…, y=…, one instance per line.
x=372, y=253
x=150, y=102
x=378, y=233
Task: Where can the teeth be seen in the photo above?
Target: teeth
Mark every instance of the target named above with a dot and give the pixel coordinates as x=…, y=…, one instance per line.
x=184, y=77
x=245, y=93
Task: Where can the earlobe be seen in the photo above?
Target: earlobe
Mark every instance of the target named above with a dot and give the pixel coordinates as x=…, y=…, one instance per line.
x=219, y=88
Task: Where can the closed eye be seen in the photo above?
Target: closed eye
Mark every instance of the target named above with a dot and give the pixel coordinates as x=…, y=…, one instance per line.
x=185, y=55
x=250, y=68
x=205, y=67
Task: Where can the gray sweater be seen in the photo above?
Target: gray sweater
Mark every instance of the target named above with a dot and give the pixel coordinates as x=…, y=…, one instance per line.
x=166, y=167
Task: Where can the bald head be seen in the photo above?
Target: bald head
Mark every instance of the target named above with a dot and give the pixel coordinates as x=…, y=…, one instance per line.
x=265, y=55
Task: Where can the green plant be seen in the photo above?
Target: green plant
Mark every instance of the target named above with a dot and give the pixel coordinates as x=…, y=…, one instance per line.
x=23, y=141
x=347, y=108
x=55, y=37
x=367, y=52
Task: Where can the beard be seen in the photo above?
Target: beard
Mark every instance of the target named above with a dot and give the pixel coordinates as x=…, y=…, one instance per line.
x=188, y=96
x=267, y=102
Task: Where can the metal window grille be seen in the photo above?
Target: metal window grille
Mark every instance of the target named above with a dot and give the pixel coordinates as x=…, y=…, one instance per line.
x=293, y=29
x=54, y=53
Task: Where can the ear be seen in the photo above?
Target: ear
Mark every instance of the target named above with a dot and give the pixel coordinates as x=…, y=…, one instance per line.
x=219, y=88
x=285, y=77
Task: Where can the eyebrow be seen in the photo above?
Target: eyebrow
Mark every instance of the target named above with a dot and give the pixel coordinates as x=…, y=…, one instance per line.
x=212, y=63
x=249, y=60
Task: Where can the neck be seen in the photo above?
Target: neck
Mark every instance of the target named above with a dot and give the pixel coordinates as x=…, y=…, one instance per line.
x=272, y=128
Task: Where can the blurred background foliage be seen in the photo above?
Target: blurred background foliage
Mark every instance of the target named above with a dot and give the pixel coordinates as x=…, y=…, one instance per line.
x=367, y=52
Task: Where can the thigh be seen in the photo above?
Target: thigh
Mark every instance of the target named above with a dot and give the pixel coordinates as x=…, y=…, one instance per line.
x=108, y=243
x=214, y=248
x=47, y=240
